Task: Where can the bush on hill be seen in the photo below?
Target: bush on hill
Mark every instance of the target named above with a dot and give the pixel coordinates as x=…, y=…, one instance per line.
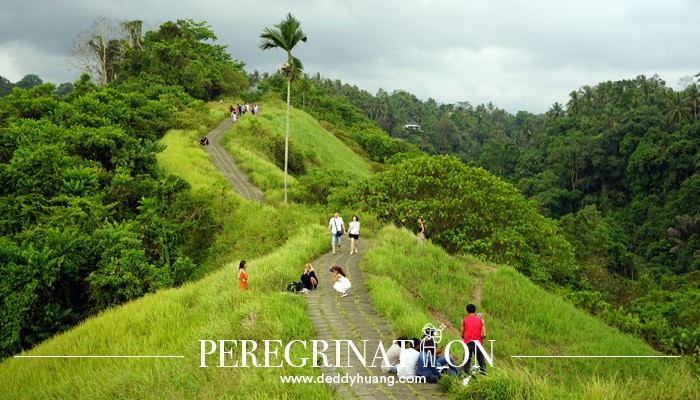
x=467, y=210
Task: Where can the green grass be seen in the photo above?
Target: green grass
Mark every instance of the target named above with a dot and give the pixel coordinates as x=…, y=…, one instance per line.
x=408, y=285
x=277, y=243
x=185, y=157
x=171, y=322
x=411, y=286
x=307, y=133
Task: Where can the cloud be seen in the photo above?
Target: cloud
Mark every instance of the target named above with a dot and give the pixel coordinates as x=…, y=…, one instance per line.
x=518, y=55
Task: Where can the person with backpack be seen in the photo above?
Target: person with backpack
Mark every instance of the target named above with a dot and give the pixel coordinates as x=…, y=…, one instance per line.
x=341, y=283
x=308, y=278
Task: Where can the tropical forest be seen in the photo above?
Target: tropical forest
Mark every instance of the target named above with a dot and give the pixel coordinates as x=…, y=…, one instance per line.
x=575, y=231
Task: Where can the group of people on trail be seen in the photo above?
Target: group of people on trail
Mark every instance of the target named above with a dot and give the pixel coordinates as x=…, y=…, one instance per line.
x=204, y=141
x=406, y=357
x=421, y=357
x=309, y=280
x=336, y=228
x=240, y=109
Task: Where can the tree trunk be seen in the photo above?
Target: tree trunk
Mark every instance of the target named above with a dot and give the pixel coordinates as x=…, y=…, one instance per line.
x=286, y=138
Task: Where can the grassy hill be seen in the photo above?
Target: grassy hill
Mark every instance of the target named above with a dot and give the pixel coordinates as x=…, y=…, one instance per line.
x=409, y=286
x=252, y=140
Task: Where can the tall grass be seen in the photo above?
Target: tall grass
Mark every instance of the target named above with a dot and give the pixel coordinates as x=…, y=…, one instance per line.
x=171, y=322
x=277, y=243
x=409, y=283
x=247, y=229
x=308, y=134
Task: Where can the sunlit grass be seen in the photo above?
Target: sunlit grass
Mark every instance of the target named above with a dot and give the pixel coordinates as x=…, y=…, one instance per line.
x=184, y=156
x=409, y=284
x=171, y=322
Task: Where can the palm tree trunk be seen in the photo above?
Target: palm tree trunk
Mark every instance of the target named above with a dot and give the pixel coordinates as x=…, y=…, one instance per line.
x=286, y=139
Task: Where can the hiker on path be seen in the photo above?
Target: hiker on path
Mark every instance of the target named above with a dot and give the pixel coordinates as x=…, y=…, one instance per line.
x=473, y=330
x=341, y=283
x=243, y=275
x=336, y=227
x=354, y=233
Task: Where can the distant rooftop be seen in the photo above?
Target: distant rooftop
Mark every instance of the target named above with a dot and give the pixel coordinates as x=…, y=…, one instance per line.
x=412, y=126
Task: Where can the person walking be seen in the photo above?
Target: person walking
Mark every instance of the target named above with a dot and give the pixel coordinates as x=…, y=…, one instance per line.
x=473, y=330
x=336, y=227
x=354, y=233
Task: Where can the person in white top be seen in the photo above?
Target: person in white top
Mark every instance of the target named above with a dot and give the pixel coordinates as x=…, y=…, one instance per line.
x=354, y=233
x=393, y=355
x=340, y=282
x=408, y=364
x=336, y=227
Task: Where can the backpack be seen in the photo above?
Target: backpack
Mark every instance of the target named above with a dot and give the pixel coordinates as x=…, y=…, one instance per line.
x=295, y=287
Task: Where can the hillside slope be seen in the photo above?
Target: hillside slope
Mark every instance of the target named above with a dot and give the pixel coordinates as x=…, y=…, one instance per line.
x=413, y=285
x=409, y=285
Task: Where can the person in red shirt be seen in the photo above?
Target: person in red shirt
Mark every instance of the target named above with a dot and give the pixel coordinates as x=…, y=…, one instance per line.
x=473, y=329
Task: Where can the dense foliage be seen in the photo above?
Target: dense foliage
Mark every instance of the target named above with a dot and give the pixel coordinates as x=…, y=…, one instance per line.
x=28, y=82
x=87, y=219
x=618, y=165
x=177, y=54
x=466, y=210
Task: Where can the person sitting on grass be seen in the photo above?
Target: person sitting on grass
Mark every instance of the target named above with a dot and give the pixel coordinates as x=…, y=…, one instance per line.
x=308, y=278
x=341, y=283
x=393, y=355
x=408, y=363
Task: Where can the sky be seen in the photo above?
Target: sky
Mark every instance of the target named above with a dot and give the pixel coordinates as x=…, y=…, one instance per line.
x=519, y=55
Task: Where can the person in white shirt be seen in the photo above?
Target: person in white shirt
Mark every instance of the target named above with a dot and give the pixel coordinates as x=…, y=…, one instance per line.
x=341, y=283
x=354, y=233
x=336, y=227
x=393, y=355
x=408, y=364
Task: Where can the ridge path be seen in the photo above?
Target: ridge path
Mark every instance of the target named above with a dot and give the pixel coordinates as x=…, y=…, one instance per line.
x=335, y=318
x=226, y=164
x=353, y=318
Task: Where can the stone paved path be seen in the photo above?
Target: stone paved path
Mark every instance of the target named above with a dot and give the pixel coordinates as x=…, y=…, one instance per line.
x=227, y=166
x=349, y=318
x=353, y=318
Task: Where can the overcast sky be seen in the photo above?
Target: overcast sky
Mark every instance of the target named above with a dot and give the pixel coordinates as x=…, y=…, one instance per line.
x=520, y=55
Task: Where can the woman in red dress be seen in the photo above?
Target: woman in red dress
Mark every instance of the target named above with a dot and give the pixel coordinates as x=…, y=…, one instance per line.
x=242, y=275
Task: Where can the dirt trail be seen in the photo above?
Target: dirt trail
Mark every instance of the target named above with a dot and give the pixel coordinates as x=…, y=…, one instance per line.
x=349, y=318
x=353, y=318
x=227, y=166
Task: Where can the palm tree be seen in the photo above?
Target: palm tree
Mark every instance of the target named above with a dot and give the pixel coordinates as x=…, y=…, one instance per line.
x=693, y=99
x=555, y=112
x=678, y=111
x=574, y=104
x=285, y=36
x=686, y=226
